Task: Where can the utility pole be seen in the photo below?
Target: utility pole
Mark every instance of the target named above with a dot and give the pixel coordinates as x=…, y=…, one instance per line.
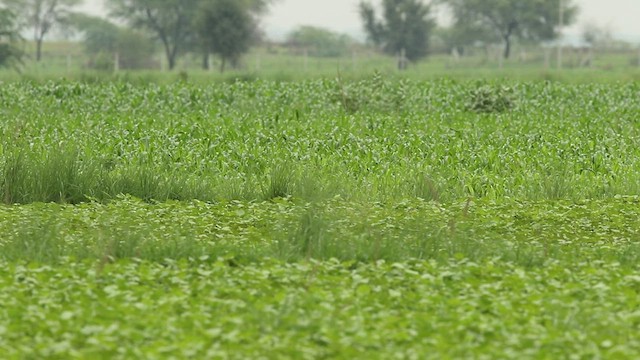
x=560, y=26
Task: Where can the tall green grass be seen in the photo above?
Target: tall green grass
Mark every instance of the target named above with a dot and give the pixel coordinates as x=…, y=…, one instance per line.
x=443, y=141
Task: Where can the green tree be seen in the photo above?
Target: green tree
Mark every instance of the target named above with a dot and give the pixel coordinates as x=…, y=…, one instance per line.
x=10, y=39
x=201, y=41
x=462, y=35
x=319, y=41
x=170, y=20
x=226, y=28
x=41, y=16
x=257, y=7
x=405, y=27
x=102, y=40
x=596, y=35
x=533, y=20
x=98, y=34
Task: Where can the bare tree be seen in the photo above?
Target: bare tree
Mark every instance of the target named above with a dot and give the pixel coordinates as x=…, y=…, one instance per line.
x=41, y=16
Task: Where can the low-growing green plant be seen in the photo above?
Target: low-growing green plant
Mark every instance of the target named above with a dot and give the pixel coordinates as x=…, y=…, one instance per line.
x=261, y=140
x=187, y=221
x=491, y=99
x=524, y=233
x=214, y=307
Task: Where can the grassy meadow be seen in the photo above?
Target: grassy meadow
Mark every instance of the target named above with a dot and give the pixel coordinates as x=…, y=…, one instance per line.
x=609, y=64
x=382, y=217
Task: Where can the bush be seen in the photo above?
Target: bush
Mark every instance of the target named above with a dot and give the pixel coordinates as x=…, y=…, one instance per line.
x=488, y=99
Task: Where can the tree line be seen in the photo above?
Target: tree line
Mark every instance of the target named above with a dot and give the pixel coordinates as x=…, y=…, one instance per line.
x=407, y=25
x=227, y=28
x=221, y=27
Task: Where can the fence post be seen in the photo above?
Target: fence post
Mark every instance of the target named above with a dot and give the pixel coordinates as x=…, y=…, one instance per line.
x=402, y=59
x=547, y=56
x=306, y=59
x=354, y=60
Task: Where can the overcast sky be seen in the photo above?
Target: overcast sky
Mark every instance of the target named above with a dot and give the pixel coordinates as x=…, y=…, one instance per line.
x=620, y=16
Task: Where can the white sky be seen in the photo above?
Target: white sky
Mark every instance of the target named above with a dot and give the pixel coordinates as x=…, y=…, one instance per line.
x=622, y=17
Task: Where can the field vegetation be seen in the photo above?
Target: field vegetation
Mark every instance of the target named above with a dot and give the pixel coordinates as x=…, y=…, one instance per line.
x=273, y=62
x=373, y=218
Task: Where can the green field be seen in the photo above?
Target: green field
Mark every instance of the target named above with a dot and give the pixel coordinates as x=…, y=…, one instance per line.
x=67, y=59
x=331, y=218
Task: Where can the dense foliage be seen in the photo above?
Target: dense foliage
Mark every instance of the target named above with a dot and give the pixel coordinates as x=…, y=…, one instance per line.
x=377, y=219
x=403, y=28
x=105, y=43
x=413, y=310
x=204, y=26
x=317, y=41
x=10, y=50
x=375, y=140
x=506, y=20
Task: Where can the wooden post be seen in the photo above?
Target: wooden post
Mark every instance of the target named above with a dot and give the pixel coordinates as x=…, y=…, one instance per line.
x=560, y=26
x=455, y=54
x=402, y=59
x=547, y=56
x=354, y=60
x=116, y=62
x=306, y=59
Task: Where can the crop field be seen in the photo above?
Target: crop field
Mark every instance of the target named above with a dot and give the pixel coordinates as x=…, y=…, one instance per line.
x=374, y=219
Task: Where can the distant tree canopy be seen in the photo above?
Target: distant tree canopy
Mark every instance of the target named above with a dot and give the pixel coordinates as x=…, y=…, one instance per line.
x=102, y=40
x=226, y=28
x=41, y=16
x=462, y=35
x=169, y=20
x=257, y=7
x=595, y=35
x=319, y=42
x=405, y=26
x=183, y=25
x=10, y=39
x=533, y=20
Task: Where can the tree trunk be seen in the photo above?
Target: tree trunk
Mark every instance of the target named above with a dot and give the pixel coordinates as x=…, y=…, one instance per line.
x=205, y=60
x=222, y=64
x=38, y=49
x=513, y=25
x=167, y=53
x=171, y=53
x=507, y=46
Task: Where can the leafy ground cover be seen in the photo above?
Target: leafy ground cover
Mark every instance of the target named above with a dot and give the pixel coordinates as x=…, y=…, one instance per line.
x=329, y=309
x=320, y=219
x=523, y=233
